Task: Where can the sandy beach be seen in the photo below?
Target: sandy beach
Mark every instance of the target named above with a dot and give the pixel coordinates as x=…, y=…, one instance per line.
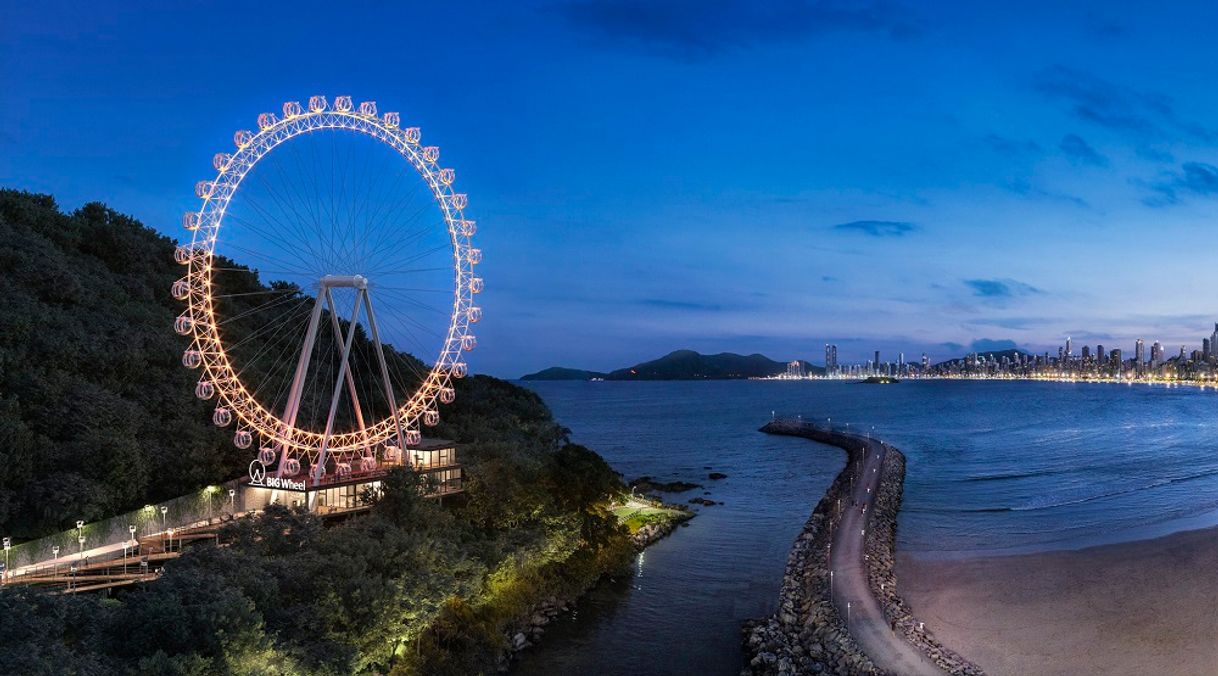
x=1148, y=607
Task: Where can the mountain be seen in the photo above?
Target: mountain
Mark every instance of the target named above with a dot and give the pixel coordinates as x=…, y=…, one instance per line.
x=690, y=365
x=561, y=373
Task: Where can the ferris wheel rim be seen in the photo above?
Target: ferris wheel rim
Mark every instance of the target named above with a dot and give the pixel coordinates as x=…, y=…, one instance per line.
x=417, y=408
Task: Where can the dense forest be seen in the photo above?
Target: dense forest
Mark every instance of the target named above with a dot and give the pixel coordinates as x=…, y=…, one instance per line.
x=97, y=416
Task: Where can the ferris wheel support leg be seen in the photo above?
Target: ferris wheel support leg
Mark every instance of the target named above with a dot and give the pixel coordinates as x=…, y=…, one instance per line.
x=338, y=389
x=338, y=337
x=302, y=367
x=380, y=355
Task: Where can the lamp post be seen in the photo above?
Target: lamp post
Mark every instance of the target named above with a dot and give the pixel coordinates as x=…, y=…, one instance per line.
x=164, y=518
x=55, y=561
x=131, y=530
x=8, y=544
x=232, y=501
x=126, y=549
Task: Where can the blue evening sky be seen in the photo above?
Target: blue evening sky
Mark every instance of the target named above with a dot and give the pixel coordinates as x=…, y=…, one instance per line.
x=734, y=175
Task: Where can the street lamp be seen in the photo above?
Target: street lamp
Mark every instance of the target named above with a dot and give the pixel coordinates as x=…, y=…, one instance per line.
x=8, y=544
x=55, y=561
x=232, y=501
x=164, y=519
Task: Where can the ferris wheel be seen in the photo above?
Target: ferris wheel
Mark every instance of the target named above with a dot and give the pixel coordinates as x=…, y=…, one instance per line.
x=329, y=289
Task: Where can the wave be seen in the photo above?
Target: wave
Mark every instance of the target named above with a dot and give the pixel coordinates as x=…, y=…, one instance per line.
x=1065, y=500
x=1013, y=475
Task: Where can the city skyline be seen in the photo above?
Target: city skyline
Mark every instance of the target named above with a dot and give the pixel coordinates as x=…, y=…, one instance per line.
x=972, y=175
x=1186, y=363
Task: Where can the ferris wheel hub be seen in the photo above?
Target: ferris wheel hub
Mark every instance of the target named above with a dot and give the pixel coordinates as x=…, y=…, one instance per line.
x=344, y=281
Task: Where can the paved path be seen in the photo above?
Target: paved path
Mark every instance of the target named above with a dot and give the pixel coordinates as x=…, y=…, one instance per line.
x=886, y=649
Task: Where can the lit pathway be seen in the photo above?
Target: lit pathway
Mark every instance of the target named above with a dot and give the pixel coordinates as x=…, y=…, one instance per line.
x=886, y=649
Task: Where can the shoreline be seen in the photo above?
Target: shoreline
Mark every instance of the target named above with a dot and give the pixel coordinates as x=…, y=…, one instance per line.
x=1143, y=606
x=527, y=631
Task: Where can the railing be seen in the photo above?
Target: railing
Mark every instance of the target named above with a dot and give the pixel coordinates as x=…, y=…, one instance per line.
x=180, y=512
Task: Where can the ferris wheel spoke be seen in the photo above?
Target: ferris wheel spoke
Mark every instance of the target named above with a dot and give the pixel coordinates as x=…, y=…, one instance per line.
x=298, y=222
x=256, y=309
x=275, y=236
x=384, y=212
x=389, y=244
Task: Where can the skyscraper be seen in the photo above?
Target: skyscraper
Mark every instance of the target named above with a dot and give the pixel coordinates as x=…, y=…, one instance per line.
x=1139, y=355
x=1214, y=341
x=1156, y=354
x=925, y=362
x=876, y=364
x=1069, y=351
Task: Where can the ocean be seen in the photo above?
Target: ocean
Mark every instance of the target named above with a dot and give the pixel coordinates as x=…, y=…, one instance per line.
x=994, y=467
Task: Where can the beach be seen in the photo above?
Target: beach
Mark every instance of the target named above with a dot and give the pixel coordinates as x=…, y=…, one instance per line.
x=1130, y=608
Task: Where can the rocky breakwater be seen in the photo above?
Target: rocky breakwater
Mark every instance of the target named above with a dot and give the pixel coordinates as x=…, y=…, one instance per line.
x=880, y=545
x=806, y=635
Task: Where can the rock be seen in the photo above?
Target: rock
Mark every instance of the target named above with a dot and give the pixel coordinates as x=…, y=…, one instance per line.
x=715, y=476
x=520, y=641
x=702, y=501
x=646, y=484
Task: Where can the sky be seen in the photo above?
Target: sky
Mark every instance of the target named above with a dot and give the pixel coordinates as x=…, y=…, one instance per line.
x=720, y=176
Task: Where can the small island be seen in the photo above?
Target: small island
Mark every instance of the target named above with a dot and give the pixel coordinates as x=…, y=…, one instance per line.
x=879, y=380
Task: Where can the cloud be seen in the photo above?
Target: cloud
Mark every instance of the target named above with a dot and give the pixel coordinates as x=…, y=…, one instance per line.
x=1114, y=106
x=878, y=228
x=1195, y=178
x=692, y=30
x=1007, y=146
x=1028, y=190
x=1012, y=323
x=1000, y=289
x=1080, y=152
x=680, y=305
x=992, y=345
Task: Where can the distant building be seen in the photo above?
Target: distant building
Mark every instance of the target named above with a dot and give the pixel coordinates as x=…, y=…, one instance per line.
x=796, y=369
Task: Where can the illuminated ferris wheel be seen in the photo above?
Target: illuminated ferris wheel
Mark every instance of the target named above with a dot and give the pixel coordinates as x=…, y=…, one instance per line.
x=317, y=218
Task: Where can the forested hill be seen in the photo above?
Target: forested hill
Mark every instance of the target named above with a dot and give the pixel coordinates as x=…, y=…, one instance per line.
x=683, y=365
x=97, y=414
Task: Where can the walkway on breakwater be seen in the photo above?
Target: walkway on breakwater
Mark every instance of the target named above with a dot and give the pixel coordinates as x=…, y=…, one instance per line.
x=851, y=595
x=851, y=504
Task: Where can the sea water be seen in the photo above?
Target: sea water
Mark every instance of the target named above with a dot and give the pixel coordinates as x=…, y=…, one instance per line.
x=994, y=467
